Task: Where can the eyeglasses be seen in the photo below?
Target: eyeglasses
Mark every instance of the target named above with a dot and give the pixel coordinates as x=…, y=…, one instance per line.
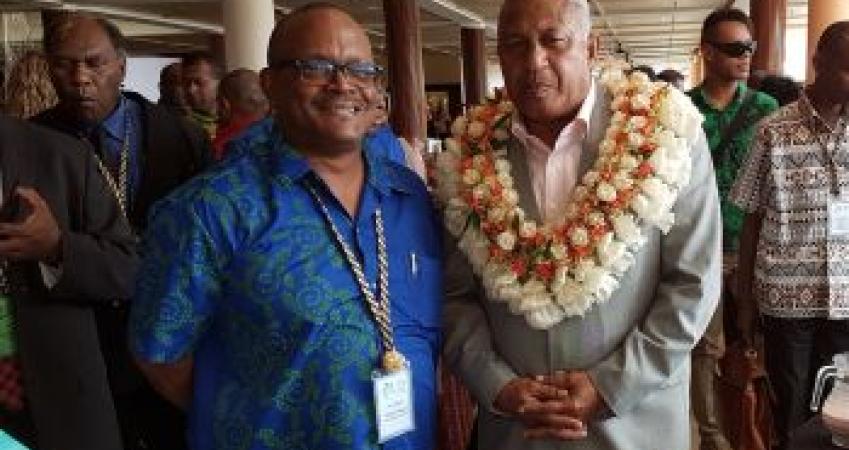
x=735, y=49
x=321, y=71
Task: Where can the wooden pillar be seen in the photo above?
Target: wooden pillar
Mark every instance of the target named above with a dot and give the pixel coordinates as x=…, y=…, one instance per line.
x=474, y=65
x=769, y=18
x=821, y=14
x=217, y=48
x=406, y=75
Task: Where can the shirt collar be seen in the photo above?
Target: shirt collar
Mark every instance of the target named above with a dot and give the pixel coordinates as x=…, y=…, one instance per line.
x=811, y=113
x=293, y=166
x=115, y=123
x=582, y=118
x=738, y=97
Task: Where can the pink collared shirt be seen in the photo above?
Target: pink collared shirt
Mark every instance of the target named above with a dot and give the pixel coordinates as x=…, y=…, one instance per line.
x=554, y=171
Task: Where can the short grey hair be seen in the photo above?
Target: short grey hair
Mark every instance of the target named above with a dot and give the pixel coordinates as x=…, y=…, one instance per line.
x=575, y=12
x=578, y=13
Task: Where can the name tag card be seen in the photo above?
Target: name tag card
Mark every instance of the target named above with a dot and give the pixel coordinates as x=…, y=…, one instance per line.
x=393, y=398
x=838, y=218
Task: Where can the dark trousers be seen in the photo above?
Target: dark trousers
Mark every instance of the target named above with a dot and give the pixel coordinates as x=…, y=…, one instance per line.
x=148, y=422
x=795, y=349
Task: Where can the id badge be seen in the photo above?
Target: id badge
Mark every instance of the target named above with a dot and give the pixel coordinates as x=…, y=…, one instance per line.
x=393, y=399
x=838, y=218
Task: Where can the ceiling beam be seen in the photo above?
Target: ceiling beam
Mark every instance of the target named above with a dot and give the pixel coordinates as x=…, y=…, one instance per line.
x=655, y=11
x=139, y=16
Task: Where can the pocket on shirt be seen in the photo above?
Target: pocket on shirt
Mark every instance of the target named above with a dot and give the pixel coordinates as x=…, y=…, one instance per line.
x=419, y=297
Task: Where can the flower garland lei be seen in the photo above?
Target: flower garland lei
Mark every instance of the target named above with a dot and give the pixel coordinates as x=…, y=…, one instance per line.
x=548, y=273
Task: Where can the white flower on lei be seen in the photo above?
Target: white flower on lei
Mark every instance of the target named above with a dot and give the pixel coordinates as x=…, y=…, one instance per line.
x=506, y=240
x=640, y=102
x=622, y=180
x=511, y=197
x=628, y=162
x=480, y=192
x=637, y=122
x=458, y=128
x=502, y=166
x=528, y=229
x=545, y=317
x=477, y=112
x=471, y=176
x=501, y=134
x=579, y=237
x=559, y=251
x=606, y=192
x=636, y=140
x=476, y=247
x=599, y=283
x=496, y=214
x=505, y=179
x=476, y=129
x=613, y=255
x=627, y=230
x=452, y=146
x=534, y=296
x=678, y=114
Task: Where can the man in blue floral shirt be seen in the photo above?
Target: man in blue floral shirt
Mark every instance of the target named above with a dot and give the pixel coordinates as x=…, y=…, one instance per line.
x=262, y=301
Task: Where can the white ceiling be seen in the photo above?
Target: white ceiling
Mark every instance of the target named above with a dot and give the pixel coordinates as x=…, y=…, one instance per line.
x=659, y=32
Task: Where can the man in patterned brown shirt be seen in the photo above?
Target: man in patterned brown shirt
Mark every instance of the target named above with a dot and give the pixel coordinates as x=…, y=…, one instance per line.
x=794, y=255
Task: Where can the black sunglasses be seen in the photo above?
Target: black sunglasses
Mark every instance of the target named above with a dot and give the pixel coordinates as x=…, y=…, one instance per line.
x=323, y=70
x=735, y=49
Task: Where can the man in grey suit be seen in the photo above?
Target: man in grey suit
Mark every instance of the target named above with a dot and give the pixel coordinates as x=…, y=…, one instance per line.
x=615, y=377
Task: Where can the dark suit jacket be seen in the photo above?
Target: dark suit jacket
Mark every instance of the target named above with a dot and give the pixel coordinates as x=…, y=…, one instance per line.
x=173, y=150
x=64, y=372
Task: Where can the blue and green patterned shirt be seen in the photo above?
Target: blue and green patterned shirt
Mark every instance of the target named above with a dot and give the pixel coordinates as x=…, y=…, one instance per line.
x=241, y=271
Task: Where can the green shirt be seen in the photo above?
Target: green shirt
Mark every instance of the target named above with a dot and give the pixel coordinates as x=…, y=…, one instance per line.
x=207, y=121
x=735, y=153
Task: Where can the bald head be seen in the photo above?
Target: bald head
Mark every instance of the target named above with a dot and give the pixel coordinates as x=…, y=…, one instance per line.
x=240, y=92
x=321, y=79
x=309, y=24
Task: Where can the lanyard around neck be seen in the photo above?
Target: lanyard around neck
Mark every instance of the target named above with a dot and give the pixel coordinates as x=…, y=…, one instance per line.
x=378, y=306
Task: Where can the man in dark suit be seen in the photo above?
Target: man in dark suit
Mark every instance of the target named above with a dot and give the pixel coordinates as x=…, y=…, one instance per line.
x=65, y=248
x=145, y=151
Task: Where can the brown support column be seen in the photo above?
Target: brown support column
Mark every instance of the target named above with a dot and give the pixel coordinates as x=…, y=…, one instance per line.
x=474, y=65
x=217, y=48
x=769, y=18
x=406, y=77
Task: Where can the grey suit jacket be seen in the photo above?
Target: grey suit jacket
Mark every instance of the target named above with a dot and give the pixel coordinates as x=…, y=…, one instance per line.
x=636, y=347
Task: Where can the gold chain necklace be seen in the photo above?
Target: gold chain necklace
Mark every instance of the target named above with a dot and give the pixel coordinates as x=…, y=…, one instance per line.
x=392, y=360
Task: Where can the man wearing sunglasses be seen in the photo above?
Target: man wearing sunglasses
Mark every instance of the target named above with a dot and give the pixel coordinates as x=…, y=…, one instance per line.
x=290, y=298
x=731, y=110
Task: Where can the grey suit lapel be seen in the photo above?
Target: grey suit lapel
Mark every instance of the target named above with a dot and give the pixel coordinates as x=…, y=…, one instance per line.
x=522, y=180
x=599, y=121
